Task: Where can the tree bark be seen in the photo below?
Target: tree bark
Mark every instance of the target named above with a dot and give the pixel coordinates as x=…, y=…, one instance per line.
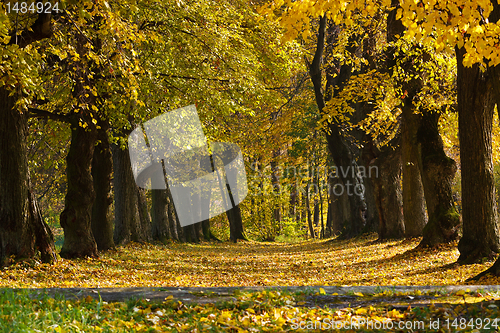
x=102, y=170
x=476, y=104
x=159, y=216
x=235, y=224
x=438, y=171
x=388, y=193
x=175, y=230
x=413, y=190
x=22, y=229
x=130, y=209
x=144, y=230
x=339, y=212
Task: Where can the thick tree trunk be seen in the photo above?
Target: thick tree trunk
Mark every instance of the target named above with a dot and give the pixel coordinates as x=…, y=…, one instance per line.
x=22, y=229
x=352, y=182
x=413, y=190
x=102, y=170
x=130, y=209
x=438, y=171
x=76, y=217
x=340, y=211
x=205, y=224
x=371, y=214
x=494, y=73
x=388, y=193
x=475, y=116
x=235, y=224
x=144, y=231
x=159, y=216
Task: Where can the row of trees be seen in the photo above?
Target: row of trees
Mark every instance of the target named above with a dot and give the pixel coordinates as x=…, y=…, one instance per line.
x=100, y=69
x=379, y=63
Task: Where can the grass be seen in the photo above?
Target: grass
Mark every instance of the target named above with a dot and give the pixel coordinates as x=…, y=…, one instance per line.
x=267, y=310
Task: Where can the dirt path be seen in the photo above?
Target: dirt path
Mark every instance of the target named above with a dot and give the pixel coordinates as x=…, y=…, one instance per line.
x=342, y=296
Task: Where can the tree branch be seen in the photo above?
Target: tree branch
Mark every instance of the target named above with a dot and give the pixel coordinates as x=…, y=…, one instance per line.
x=37, y=113
x=315, y=66
x=192, y=77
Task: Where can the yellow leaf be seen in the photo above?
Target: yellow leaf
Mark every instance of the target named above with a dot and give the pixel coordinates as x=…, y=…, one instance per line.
x=361, y=311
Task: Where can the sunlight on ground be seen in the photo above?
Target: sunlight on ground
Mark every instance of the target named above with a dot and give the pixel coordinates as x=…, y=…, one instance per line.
x=356, y=262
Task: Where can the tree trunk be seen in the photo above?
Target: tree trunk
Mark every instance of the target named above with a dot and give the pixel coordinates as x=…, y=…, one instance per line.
x=371, y=214
x=130, y=208
x=143, y=233
x=329, y=214
x=413, y=191
x=438, y=171
x=315, y=178
x=275, y=181
x=205, y=224
x=22, y=229
x=388, y=193
x=308, y=211
x=293, y=204
x=175, y=230
x=76, y=217
x=475, y=116
x=235, y=224
x=159, y=216
x=340, y=206
x=102, y=170
x=321, y=215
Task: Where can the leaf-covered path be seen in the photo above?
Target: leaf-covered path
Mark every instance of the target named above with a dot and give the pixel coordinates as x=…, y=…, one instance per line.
x=362, y=261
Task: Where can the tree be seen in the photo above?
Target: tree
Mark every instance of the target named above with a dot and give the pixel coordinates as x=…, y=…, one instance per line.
x=102, y=171
x=413, y=191
x=22, y=228
x=341, y=152
x=470, y=29
x=131, y=215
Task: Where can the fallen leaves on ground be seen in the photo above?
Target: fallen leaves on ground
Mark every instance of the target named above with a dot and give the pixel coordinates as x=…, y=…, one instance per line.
x=362, y=261
x=260, y=311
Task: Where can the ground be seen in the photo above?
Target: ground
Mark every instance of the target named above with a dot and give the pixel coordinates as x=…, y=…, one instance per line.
x=362, y=261
x=335, y=282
